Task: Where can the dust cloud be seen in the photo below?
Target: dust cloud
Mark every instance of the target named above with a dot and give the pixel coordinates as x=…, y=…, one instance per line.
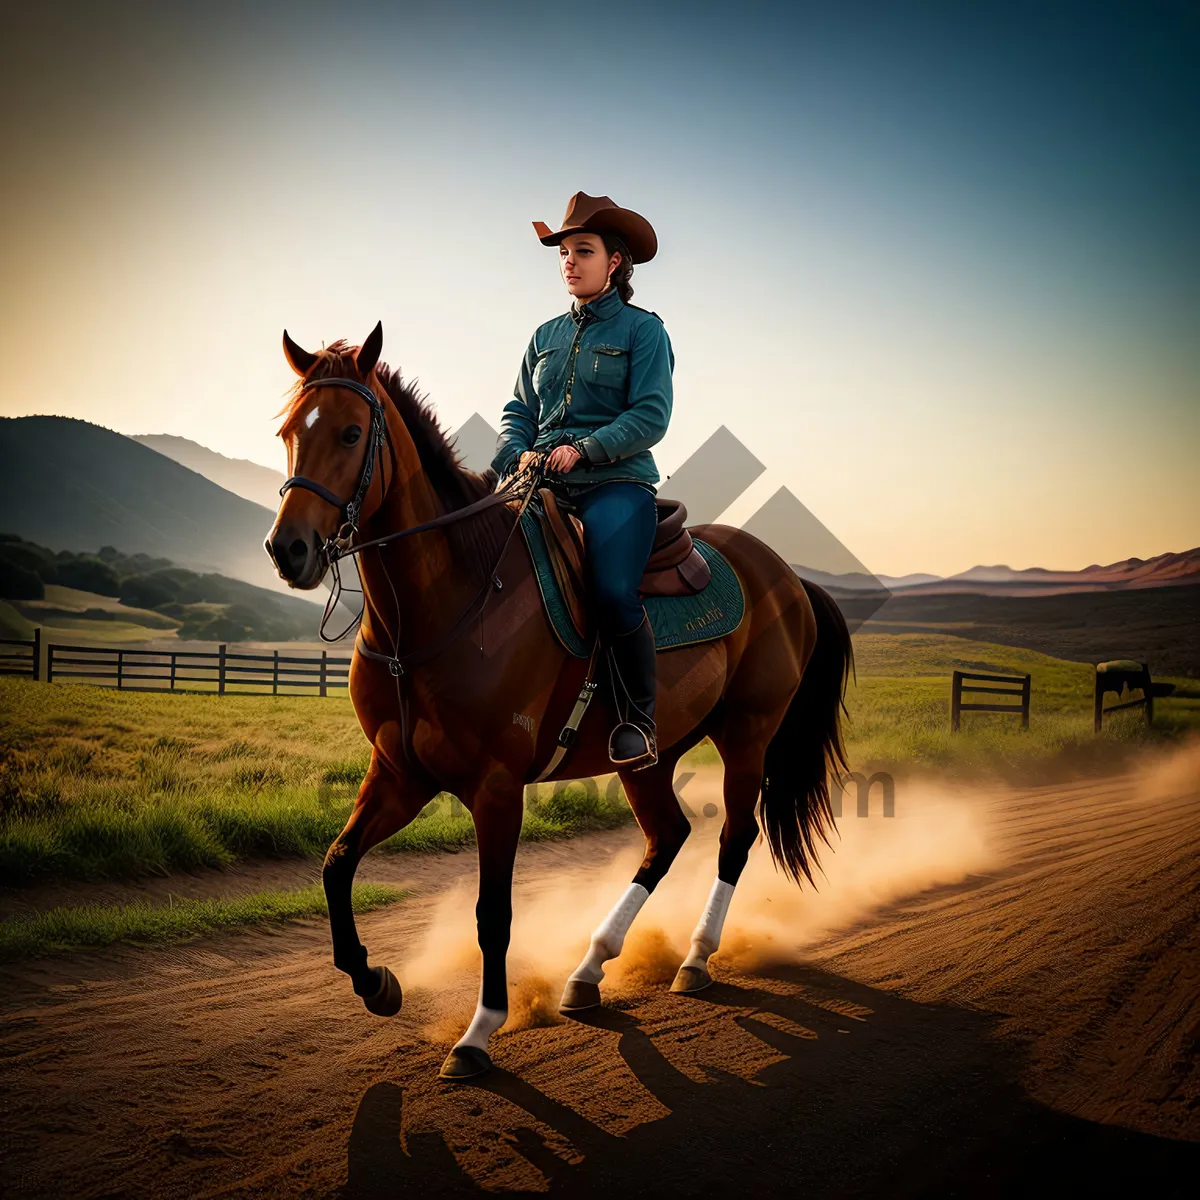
x=1174, y=773
x=937, y=836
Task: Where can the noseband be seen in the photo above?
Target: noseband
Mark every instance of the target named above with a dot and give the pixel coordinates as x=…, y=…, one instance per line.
x=350, y=510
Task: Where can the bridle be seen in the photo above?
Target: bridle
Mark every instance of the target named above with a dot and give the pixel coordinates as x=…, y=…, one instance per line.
x=350, y=512
x=377, y=438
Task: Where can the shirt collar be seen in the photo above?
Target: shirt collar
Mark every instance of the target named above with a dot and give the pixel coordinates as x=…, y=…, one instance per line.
x=606, y=305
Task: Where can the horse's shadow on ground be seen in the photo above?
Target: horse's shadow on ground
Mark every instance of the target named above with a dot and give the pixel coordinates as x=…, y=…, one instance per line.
x=918, y=1100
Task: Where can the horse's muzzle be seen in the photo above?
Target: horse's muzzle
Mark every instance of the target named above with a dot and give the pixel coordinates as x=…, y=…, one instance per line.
x=298, y=560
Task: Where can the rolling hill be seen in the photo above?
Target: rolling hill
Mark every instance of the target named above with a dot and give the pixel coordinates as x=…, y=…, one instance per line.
x=98, y=592
x=72, y=485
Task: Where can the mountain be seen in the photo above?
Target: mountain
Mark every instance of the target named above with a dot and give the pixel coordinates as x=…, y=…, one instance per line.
x=250, y=480
x=1164, y=570
x=893, y=582
x=72, y=485
x=861, y=581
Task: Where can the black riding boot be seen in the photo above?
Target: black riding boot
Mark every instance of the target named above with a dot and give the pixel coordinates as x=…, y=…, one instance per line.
x=633, y=671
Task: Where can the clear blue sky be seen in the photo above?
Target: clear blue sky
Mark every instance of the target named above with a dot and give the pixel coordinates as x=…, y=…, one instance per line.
x=933, y=263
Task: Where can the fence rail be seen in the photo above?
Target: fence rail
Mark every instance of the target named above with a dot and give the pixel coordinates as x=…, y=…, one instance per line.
x=1117, y=676
x=22, y=656
x=1018, y=687
x=219, y=670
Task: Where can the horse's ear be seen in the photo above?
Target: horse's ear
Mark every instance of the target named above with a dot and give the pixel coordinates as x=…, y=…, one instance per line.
x=298, y=358
x=369, y=351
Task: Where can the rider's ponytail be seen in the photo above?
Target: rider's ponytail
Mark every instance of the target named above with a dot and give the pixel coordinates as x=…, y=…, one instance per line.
x=620, y=277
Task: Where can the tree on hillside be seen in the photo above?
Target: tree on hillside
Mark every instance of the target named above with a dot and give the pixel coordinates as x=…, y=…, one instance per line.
x=19, y=583
x=147, y=591
x=27, y=555
x=87, y=573
x=233, y=623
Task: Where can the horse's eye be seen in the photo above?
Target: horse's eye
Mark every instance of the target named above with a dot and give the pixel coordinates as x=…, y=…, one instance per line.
x=351, y=434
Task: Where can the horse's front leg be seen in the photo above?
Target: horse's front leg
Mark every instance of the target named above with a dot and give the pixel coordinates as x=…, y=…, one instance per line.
x=498, y=811
x=387, y=801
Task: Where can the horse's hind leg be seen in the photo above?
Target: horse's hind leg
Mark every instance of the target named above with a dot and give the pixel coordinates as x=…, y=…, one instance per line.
x=387, y=801
x=743, y=755
x=652, y=797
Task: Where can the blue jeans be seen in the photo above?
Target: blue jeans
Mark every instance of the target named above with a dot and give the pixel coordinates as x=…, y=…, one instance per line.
x=619, y=520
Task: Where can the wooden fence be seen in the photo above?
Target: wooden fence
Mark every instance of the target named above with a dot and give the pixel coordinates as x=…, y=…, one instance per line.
x=1021, y=690
x=1118, y=675
x=220, y=670
x=19, y=656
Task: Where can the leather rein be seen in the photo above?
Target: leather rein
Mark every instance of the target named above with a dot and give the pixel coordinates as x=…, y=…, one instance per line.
x=342, y=545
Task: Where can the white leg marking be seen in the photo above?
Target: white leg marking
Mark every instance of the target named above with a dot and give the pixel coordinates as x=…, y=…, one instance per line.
x=610, y=936
x=485, y=1022
x=706, y=937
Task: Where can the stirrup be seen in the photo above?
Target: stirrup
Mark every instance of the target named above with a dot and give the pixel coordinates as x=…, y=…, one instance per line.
x=647, y=758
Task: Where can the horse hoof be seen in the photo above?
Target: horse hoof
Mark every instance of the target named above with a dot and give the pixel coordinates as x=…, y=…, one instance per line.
x=387, y=1001
x=465, y=1062
x=578, y=995
x=690, y=980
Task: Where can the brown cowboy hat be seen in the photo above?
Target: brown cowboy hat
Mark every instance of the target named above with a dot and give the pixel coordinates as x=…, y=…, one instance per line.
x=595, y=214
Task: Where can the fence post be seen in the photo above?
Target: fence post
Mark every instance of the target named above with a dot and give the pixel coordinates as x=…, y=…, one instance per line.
x=275, y=676
x=172, y=670
x=1025, y=690
x=49, y=662
x=955, y=700
x=324, y=671
x=120, y=669
x=221, y=669
x=37, y=654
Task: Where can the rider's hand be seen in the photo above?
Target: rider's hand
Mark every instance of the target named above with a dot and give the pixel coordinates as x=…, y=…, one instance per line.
x=563, y=458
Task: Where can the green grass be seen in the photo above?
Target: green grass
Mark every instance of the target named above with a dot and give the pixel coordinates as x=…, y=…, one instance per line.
x=898, y=713
x=101, y=784
x=66, y=602
x=12, y=624
x=142, y=923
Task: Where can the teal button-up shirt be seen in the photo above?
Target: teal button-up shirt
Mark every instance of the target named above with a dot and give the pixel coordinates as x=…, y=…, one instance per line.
x=604, y=370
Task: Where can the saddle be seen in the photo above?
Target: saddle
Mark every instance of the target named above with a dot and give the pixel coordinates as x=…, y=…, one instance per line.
x=675, y=566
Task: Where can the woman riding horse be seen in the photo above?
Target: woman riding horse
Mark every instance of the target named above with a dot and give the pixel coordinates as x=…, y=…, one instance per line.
x=594, y=390
x=457, y=678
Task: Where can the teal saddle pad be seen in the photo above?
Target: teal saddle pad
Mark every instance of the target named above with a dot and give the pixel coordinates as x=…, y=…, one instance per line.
x=676, y=620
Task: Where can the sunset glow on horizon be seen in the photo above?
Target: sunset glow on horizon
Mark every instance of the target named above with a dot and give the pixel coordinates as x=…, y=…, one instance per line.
x=935, y=269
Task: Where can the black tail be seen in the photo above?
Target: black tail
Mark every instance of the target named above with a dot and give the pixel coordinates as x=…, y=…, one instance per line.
x=795, y=786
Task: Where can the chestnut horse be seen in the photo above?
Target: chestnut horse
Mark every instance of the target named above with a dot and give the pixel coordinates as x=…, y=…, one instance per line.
x=461, y=686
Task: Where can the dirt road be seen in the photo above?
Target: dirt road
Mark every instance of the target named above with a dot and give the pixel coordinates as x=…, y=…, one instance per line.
x=996, y=993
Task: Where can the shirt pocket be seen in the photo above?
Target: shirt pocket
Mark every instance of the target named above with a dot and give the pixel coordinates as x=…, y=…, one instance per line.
x=544, y=372
x=607, y=366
